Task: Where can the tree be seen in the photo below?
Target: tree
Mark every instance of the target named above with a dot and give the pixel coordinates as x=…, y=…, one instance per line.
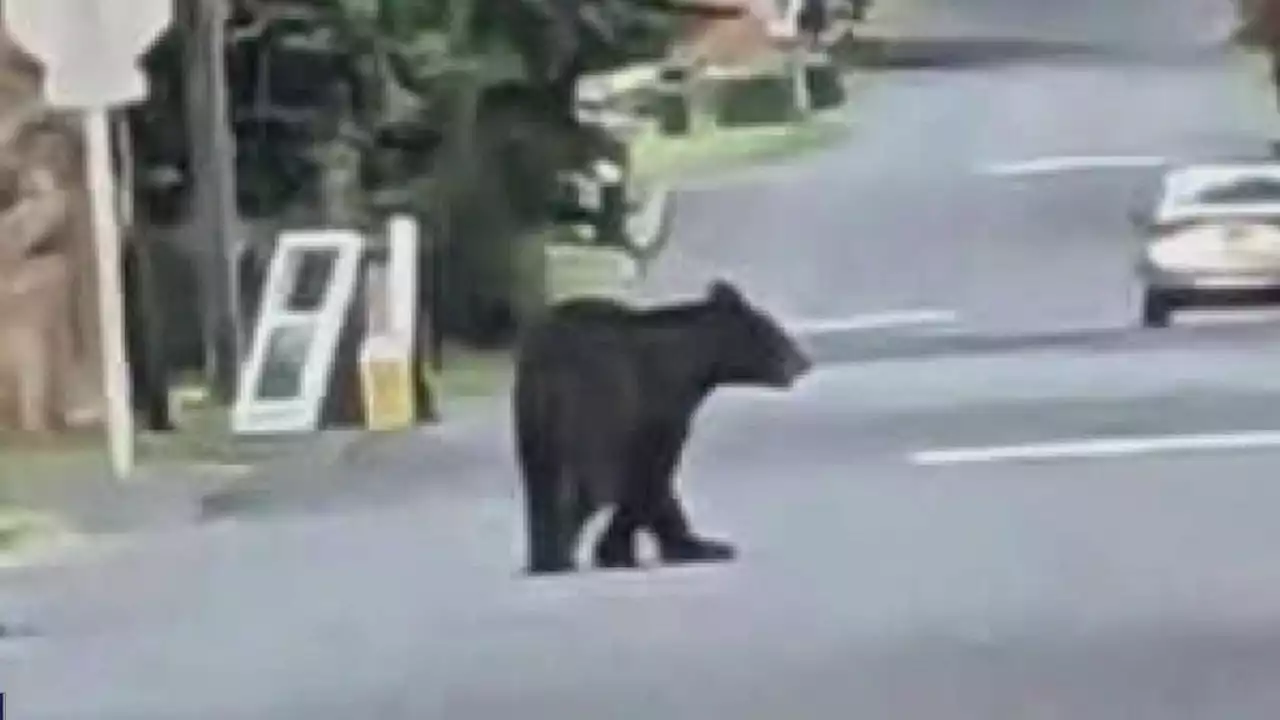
x=509, y=74
x=459, y=111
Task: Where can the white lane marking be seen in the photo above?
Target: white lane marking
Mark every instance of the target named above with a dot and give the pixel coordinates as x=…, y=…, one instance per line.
x=1099, y=448
x=1066, y=163
x=872, y=321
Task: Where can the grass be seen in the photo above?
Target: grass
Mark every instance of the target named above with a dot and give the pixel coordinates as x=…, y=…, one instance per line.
x=32, y=457
x=204, y=438
x=26, y=532
x=584, y=270
x=469, y=374
x=1257, y=92
x=709, y=151
x=64, y=461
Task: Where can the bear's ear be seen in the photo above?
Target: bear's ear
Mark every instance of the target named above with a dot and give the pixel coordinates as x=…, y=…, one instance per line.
x=723, y=292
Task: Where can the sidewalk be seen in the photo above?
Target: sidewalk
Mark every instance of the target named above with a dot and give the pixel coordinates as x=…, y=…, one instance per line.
x=160, y=494
x=469, y=453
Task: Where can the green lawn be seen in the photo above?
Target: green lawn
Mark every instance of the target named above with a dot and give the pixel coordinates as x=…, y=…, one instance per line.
x=710, y=152
x=26, y=462
x=1257, y=93
x=25, y=532
x=470, y=374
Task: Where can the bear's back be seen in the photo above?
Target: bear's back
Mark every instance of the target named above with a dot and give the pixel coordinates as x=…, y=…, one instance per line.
x=588, y=333
x=577, y=332
x=597, y=317
x=592, y=310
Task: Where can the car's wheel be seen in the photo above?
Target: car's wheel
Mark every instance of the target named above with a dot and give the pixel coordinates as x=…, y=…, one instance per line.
x=1157, y=309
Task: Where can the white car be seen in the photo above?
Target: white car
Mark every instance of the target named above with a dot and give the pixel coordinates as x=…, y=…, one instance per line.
x=1212, y=239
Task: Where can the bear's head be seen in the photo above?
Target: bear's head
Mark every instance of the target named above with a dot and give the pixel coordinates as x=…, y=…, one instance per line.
x=750, y=347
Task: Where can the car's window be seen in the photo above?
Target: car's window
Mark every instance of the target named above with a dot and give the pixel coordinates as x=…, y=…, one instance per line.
x=1246, y=190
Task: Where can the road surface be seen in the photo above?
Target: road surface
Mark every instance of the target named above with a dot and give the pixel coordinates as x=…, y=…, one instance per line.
x=1032, y=513
x=872, y=584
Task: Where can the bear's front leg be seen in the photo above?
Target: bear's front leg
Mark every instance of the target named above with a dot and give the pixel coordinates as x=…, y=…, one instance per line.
x=677, y=543
x=660, y=509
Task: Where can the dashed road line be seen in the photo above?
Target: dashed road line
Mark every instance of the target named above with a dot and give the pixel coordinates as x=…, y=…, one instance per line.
x=1069, y=163
x=1089, y=448
x=872, y=321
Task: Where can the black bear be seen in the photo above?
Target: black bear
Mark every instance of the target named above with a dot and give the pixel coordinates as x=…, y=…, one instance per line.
x=604, y=398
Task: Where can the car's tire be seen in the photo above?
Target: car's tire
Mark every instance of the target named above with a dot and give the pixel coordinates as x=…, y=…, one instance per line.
x=1157, y=309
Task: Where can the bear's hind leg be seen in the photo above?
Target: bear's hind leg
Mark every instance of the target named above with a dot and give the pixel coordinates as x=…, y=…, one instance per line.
x=551, y=496
x=555, y=525
x=550, y=550
x=616, y=547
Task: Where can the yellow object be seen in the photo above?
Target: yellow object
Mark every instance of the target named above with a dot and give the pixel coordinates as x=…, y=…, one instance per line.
x=386, y=378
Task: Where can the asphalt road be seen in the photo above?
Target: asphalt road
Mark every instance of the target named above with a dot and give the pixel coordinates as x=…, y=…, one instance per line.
x=897, y=562
x=870, y=586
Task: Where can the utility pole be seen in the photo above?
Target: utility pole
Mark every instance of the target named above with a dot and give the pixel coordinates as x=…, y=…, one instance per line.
x=215, y=217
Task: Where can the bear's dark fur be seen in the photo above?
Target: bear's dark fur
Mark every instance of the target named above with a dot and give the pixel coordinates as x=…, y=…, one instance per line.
x=604, y=398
